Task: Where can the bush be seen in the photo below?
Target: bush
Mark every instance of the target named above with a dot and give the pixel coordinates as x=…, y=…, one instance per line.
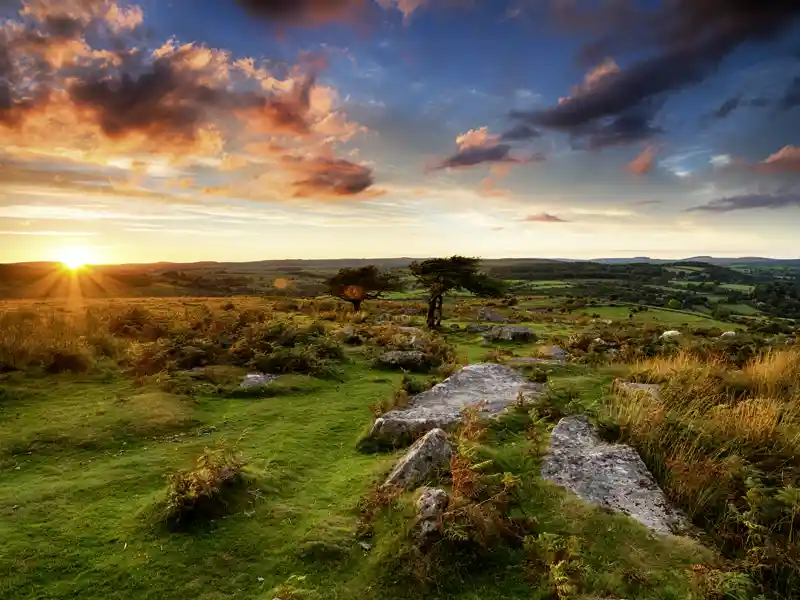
x=208, y=490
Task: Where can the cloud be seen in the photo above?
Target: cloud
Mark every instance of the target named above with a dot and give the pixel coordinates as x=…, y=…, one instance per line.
x=791, y=97
x=304, y=12
x=79, y=86
x=644, y=162
x=543, y=218
x=519, y=133
x=724, y=110
x=691, y=38
x=49, y=233
x=750, y=201
x=785, y=160
x=479, y=146
x=328, y=177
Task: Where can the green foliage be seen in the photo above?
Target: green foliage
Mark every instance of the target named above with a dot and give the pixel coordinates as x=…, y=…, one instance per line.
x=361, y=283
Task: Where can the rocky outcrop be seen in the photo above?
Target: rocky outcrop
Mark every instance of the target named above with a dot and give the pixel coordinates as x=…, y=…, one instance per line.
x=491, y=316
x=476, y=328
x=429, y=455
x=431, y=506
x=490, y=387
x=611, y=475
x=510, y=333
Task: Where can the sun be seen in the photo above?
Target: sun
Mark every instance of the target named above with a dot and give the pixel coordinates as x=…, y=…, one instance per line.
x=75, y=257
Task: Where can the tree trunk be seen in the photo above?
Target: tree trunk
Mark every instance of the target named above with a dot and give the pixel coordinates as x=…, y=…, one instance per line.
x=356, y=304
x=439, y=306
x=431, y=318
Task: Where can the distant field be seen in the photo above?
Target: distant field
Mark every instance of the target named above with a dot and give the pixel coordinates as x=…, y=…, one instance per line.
x=655, y=315
x=738, y=287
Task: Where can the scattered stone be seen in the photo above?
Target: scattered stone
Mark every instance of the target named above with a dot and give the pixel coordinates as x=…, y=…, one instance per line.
x=476, y=328
x=630, y=388
x=555, y=353
x=254, y=380
x=671, y=335
x=429, y=454
x=728, y=334
x=365, y=546
x=611, y=475
x=490, y=386
x=412, y=330
x=431, y=505
x=491, y=316
x=510, y=333
x=411, y=360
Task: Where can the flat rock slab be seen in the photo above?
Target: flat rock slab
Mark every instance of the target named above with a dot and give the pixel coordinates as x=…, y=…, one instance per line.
x=491, y=386
x=611, y=475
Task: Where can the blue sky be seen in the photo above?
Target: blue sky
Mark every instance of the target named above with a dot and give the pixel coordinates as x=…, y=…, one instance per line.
x=224, y=130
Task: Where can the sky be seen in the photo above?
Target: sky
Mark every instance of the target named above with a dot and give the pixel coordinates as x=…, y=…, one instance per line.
x=235, y=130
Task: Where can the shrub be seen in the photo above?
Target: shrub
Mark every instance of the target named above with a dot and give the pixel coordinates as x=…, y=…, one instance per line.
x=206, y=491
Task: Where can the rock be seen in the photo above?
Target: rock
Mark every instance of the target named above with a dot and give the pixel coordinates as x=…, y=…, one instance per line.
x=476, y=328
x=630, y=388
x=254, y=380
x=431, y=506
x=411, y=330
x=348, y=335
x=526, y=361
x=510, y=333
x=492, y=316
x=429, y=454
x=611, y=475
x=410, y=360
x=491, y=386
x=670, y=335
x=728, y=334
x=554, y=353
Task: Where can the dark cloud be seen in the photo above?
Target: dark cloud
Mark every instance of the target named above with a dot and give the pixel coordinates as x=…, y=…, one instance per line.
x=791, y=97
x=543, y=218
x=520, y=133
x=298, y=12
x=724, y=110
x=474, y=155
x=329, y=177
x=750, y=201
x=691, y=38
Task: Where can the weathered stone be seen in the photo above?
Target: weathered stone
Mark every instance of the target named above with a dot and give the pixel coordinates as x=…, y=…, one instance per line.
x=492, y=316
x=526, y=361
x=411, y=360
x=429, y=454
x=728, y=334
x=671, y=335
x=431, y=506
x=554, y=353
x=411, y=330
x=476, y=328
x=630, y=388
x=611, y=475
x=490, y=387
x=254, y=380
x=510, y=333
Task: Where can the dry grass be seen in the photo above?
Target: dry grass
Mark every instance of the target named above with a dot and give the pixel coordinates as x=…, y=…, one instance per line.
x=725, y=444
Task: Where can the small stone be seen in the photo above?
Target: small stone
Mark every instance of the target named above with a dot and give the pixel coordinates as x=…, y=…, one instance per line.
x=431, y=506
x=728, y=334
x=254, y=380
x=670, y=335
x=411, y=360
x=365, y=546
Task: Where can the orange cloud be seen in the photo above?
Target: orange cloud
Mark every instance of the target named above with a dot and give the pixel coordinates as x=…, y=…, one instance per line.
x=644, y=162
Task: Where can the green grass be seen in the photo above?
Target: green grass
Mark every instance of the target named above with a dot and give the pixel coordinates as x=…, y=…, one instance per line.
x=667, y=317
x=738, y=287
x=83, y=462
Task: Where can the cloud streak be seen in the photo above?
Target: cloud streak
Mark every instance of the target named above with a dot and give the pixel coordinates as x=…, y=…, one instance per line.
x=749, y=202
x=543, y=218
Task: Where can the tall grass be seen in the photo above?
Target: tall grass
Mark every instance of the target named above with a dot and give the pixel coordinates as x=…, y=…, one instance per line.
x=725, y=444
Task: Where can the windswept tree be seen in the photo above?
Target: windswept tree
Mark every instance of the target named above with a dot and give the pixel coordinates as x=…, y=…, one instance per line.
x=355, y=285
x=442, y=275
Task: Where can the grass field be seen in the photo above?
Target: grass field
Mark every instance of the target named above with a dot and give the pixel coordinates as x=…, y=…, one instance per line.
x=85, y=460
x=669, y=318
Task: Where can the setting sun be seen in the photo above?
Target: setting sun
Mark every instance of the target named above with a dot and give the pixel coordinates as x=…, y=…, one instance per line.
x=75, y=257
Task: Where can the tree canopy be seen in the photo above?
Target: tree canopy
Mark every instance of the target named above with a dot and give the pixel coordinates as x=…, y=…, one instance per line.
x=354, y=285
x=441, y=275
